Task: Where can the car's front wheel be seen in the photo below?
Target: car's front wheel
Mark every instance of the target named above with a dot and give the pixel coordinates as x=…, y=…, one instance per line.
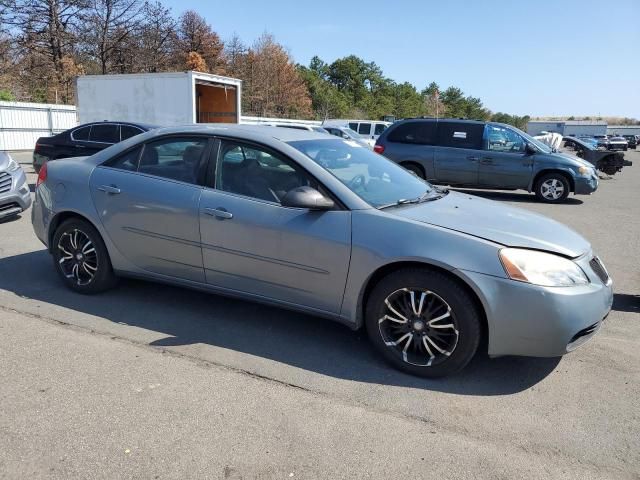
x=552, y=188
x=423, y=322
x=81, y=258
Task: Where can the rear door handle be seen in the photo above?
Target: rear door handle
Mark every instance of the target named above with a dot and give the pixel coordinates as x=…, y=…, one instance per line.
x=473, y=159
x=486, y=161
x=110, y=189
x=218, y=213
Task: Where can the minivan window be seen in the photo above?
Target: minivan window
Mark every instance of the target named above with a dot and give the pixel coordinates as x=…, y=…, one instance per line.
x=422, y=133
x=105, y=133
x=380, y=127
x=460, y=135
x=353, y=126
x=364, y=129
x=502, y=139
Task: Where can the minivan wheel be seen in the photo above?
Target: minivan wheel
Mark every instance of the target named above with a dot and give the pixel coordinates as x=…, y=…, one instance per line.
x=81, y=258
x=423, y=322
x=415, y=169
x=552, y=188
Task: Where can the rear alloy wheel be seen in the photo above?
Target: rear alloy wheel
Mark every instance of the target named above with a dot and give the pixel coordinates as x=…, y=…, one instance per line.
x=81, y=258
x=423, y=322
x=552, y=188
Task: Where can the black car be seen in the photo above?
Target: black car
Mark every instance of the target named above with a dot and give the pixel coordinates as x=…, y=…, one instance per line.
x=604, y=160
x=631, y=141
x=84, y=140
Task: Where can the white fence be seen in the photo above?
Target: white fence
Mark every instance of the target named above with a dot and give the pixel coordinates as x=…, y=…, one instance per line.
x=22, y=123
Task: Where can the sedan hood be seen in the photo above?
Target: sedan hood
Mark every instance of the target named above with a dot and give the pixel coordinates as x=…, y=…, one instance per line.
x=493, y=221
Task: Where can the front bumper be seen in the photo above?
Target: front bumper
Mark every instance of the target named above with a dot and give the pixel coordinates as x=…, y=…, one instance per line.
x=586, y=185
x=530, y=320
x=17, y=197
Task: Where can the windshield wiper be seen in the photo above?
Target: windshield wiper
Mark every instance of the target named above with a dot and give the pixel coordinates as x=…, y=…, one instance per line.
x=425, y=197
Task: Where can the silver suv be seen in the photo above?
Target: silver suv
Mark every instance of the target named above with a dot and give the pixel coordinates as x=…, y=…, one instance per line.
x=15, y=196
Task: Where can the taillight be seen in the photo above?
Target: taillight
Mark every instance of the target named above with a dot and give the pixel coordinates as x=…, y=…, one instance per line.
x=37, y=149
x=378, y=148
x=42, y=174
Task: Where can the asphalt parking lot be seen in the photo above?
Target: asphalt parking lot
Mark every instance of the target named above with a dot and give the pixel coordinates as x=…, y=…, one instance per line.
x=151, y=381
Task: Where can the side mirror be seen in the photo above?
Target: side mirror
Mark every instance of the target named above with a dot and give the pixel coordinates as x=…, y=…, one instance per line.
x=530, y=149
x=344, y=135
x=307, y=197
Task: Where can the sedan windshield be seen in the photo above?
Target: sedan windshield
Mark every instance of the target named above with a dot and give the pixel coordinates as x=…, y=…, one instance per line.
x=372, y=177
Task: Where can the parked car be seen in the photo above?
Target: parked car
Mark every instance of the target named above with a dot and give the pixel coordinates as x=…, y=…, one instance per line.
x=15, y=195
x=348, y=134
x=298, y=126
x=371, y=129
x=617, y=143
x=466, y=153
x=322, y=225
x=604, y=160
x=603, y=140
x=590, y=140
x=84, y=140
x=632, y=142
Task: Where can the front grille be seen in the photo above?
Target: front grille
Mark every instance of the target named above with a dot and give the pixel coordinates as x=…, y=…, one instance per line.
x=5, y=182
x=598, y=268
x=8, y=206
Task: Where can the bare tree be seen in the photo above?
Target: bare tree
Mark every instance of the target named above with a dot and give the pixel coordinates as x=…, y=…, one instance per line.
x=235, y=53
x=45, y=34
x=157, y=36
x=108, y=24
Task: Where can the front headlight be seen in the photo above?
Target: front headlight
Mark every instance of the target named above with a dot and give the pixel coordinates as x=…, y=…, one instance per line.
x=13, y=165
x=541, y=268
x=585, y=171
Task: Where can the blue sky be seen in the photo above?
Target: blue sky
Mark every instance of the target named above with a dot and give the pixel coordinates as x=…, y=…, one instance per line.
x=522, y=57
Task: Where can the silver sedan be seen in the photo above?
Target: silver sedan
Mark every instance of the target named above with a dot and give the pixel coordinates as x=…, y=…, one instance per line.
x=325, y=226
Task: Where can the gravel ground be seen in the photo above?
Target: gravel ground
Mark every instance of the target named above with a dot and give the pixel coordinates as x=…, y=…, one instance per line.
x=151, y=381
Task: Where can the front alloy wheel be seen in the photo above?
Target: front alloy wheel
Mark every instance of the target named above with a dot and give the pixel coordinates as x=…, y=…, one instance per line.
x=419, y=326
x=552, y=188
x=423, y=322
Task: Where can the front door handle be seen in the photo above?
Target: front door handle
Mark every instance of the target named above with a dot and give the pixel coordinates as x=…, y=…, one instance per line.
x=218, y=213
x=486, y=161
x=473, y=159
x=110, y=189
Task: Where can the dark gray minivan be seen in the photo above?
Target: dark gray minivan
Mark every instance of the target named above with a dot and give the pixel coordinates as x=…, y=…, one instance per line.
x=480, y=154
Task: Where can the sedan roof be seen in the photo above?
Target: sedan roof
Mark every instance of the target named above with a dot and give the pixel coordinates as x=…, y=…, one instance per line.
x=255, y=132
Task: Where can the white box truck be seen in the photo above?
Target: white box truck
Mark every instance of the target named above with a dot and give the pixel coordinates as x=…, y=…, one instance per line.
x=175, y=98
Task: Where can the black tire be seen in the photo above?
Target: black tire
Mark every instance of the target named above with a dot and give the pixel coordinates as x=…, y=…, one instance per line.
x=81, y=279
x=464, y=316
x=415, y=169
x=545, y=182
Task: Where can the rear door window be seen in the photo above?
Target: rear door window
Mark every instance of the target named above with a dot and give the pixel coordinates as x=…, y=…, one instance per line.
x=460, y=135
x=364, y=129
x=81, y=134
x=104, y=133
x=422, y=133
x=128, y=131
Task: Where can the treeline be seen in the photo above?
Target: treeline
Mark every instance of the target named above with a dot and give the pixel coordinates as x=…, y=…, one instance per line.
x=45, y=44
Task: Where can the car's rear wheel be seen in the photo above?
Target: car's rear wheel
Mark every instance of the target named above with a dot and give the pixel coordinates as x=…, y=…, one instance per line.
x=423, y=322
x=552, y=188
x=415, y=169
x=81, y=258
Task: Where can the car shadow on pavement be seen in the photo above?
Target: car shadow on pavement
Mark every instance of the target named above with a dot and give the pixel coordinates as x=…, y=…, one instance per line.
x=509, y=196
x=624, y=302
x=317, y=345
